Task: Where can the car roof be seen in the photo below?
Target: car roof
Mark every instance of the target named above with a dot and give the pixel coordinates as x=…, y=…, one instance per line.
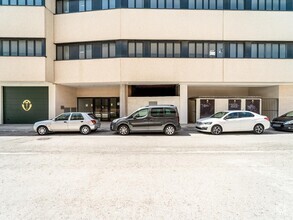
x=231, y=111
x=160, y=106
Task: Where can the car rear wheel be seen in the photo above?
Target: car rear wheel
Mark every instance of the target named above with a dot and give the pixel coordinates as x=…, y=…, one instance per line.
x=258, y=129
x=85, y=130
x=42, y=130
x=169, y=130
x=216, y=130
x=123, y=130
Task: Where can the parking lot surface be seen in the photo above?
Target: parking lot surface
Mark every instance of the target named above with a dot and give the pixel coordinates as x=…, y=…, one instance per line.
x=103, y=175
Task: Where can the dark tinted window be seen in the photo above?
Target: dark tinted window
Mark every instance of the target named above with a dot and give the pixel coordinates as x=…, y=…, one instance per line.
x=170, y=112
x=92, y=116
x=63, y=117
x=157, y=112
x=232, y=115
x=245, y=115
x=76, y=116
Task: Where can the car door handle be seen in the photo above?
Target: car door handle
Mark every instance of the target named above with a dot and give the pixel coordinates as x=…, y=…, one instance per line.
x=65, y=121
x=81, y=121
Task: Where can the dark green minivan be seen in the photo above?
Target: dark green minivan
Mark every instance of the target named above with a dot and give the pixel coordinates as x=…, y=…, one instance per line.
x=159, y=118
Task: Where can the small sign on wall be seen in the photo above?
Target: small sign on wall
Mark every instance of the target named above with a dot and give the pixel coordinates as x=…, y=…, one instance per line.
x=234, y=104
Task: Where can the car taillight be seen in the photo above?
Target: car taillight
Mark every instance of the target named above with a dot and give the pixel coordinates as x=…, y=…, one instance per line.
x=266, y=118
x=93, y=121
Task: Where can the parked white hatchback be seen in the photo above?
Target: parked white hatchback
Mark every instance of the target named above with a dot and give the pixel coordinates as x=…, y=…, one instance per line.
x=71, y=121
x=233, y=121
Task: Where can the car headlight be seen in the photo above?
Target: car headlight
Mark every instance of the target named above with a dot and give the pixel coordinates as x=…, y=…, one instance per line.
x=115, y=120
x=208, y=123
x=289, y=122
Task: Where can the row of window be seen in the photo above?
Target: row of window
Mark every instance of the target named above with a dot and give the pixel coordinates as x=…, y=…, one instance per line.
x=69, y=6
x=22, y=47
x=23, y=2
x=177, y=49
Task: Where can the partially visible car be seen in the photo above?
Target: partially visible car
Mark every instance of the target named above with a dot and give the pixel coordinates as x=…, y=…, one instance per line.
x=158, y=118
x=283, y=122
x=233, y=121
x=69, y=122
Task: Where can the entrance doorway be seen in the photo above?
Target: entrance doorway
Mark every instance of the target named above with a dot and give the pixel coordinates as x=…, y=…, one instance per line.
x=106, y=109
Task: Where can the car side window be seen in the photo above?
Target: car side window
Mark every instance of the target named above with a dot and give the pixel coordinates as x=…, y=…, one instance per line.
x=289, y=114
x=170, y=112
x=141, y=113
x=232, y=115
x=76, y=116
x=157, y=112
x=63, y=117
x=245, y=115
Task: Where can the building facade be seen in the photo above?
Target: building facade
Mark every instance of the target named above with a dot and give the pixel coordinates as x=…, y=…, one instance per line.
x=110, y=57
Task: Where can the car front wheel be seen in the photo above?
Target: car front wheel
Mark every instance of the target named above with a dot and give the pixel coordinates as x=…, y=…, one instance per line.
x=85, y=130
x=258, y=129
x=42, y=130
x=216, y=130
x=123, y=130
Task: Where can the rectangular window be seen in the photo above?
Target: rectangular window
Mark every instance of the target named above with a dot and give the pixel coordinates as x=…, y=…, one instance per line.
x=39, y=46
x=276, y=5
x=212, y=50
x=81, y=5
x=161, y=4
x=176, y=3
x=73, y=52
x=253, y=50
x=268, y=50
x=206, y=50
x=206, y=4
x=240, y=50
x=5, y=48
x=169, y=3
x=139, y=49
x=81, y=51
x=12, y=2
x=105, y=4
x=131, y=3
x=66, y=52
x=262, y=5
x=161, y=49
x=89, y=51
x=233, y=4
x=112, y=49
x=191, y=49
x=65, y=6
x=39, y=2
x=269, y=5
x=131, y=49
x=199, y=4
x=220, y=50
x=261, y=51
x=154, y=50
x=59, y=6
x=112, y=4
x=154, y=4
x=5, y=2
x=220, y=4
x=254, y=4
x=275, y=51
x=177, y=49
x=169, y=49
x=30, y=48
x=22, y=48
x=283, y=5
x=233, y=50
x=89, y=5
x=139, y=3
x=105, y=51
x=21, y=2
x=212, y=4
x=240, y=5
x=199, y=50
x=191, y=4
x=59, y=53
x=282, y=51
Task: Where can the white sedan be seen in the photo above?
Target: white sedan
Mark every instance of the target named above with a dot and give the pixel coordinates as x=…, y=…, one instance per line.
x=71, y=121
x=230, y=121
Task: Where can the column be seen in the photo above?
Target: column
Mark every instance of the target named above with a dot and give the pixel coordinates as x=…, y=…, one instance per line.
x=52, y=100
x=1, y=104
x=183, y=111
x=123, y=100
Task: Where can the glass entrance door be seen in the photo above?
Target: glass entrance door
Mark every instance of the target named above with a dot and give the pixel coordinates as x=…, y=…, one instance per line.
x=101, y=108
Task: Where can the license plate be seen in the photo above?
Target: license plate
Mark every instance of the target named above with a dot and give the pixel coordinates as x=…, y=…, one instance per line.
x=276, y=125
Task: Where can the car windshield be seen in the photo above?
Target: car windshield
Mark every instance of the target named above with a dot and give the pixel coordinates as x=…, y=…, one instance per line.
x=219, y=115
x=289, y=114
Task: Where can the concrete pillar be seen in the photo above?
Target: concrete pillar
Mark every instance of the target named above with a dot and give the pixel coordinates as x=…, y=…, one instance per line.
x=52, y=101
x=285, y=99
x=123, y=89
x=1, y=104
x=183, y=110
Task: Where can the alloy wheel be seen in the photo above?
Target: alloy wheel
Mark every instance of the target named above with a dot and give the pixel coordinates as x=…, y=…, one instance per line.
x=123, y=130
x=85, y=130
x=42, y=130
x=258, y=129
x=216, y=130
x=169, y=130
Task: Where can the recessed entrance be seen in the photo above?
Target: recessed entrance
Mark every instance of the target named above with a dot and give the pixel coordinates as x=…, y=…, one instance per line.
x=105, y=109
